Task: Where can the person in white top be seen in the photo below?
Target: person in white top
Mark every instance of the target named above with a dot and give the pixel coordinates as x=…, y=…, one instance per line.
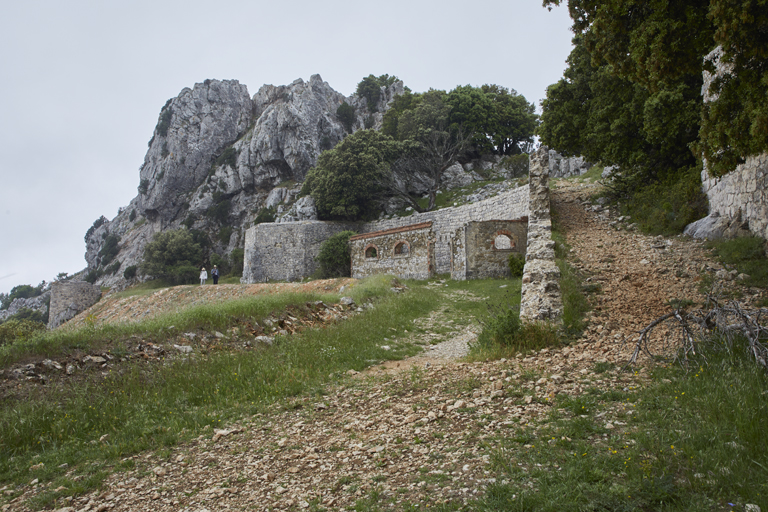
x=203, y=276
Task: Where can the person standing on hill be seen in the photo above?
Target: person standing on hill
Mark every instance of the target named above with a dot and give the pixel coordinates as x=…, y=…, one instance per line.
x=215, y=274
x=203, y=276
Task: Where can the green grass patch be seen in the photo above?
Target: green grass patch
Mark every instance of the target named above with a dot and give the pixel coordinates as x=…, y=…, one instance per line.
x=747, y=255
x=575, y=304
x=447, y=198
x=695, y=441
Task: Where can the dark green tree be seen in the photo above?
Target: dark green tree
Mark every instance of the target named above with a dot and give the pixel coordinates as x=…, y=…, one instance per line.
x=109, y=249
x=433, y=144
x=736, y=125
x=346, y=115
x=616, y=121
x=347, y=181
x=174, y=256
x=661, y=45
x=334, y=259
x=370, y=89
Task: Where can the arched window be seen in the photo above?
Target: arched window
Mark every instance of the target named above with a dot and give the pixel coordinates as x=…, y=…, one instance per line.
x=402, y=249
x=503, y=242
x=371, y=252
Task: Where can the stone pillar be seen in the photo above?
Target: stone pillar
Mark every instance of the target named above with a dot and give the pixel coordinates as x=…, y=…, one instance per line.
x=541, y=297
x=68, y=298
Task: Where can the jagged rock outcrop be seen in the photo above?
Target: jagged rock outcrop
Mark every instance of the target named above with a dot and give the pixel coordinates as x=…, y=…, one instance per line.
x=193, y=129
x=215, y=157
x=563, y=167
x=39, y=303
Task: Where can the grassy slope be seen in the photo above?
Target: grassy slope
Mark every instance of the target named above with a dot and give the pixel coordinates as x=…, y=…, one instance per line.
x=141, y=407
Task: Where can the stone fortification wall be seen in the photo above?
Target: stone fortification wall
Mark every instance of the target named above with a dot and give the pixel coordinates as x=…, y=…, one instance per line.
x=489, y=245
x=740, y=198
x=405, y=252
x=541, y=297
x=68, y=298
x=287, y=251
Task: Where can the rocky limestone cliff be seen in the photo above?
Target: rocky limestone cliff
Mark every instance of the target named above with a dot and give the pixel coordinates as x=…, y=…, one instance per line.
x=217, y=157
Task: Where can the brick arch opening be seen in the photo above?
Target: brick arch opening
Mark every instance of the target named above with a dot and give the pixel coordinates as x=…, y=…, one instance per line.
x=504, y=241
x=371, y=252
x=402, y=248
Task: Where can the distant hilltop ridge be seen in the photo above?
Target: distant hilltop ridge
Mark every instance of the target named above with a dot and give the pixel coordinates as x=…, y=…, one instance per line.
x=215, y=159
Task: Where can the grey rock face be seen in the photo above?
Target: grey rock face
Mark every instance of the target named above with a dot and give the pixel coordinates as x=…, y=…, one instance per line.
x=716, y=227
x=303, y=209
x=455, y=177
x=563, y=167
x=194, y=128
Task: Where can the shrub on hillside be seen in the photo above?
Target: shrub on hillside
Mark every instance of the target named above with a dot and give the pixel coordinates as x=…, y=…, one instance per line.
x=18, y=330
x=666, y=207
x=236, y=261
x=265, y=215
x=334, y=258
x=516, y=264
x=506, y=333
x=346, y=115
x=130, y=272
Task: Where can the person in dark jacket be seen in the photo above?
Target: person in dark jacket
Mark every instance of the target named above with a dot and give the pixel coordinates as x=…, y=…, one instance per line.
x=215, y=274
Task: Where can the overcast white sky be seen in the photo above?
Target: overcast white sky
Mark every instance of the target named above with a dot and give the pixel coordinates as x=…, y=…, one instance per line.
x=83, y=83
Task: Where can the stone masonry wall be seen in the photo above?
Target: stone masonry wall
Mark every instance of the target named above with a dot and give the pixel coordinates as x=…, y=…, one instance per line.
x=286, y=251
x=405, y=252
x=541, y=297
x=484, y=258
x=68, y=298
x=299, y=242
x=741, y=195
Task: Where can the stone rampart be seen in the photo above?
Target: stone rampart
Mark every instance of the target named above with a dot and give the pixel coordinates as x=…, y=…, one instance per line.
x=287, y=251
x=540, y=297
x=68, y=298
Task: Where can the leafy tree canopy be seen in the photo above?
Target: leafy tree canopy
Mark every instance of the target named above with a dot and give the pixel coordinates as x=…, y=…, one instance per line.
x=174, y=256
x=498, y=119
x=346, y=115
x=347, y=179
x=661, y=45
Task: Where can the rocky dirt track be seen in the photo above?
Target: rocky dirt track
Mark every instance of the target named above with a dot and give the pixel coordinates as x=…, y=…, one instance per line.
x=420, y=431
